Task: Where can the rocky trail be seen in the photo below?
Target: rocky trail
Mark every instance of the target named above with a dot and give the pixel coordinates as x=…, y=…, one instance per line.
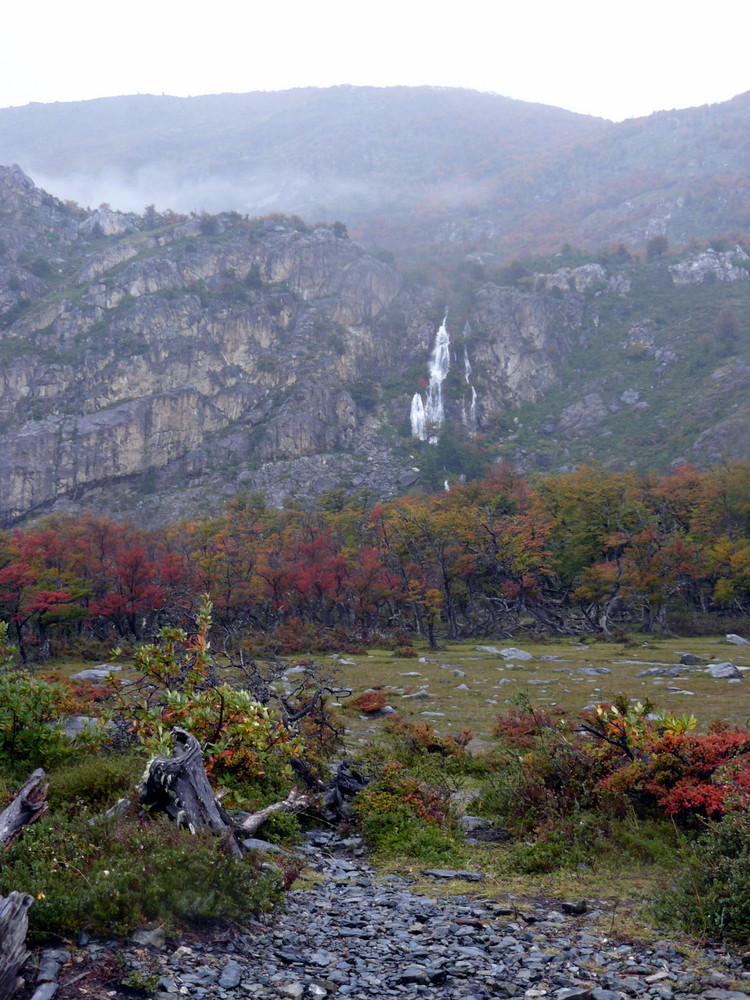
x=355, y=935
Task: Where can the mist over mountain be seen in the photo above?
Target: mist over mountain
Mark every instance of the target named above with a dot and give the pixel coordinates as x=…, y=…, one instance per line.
x=430, y=173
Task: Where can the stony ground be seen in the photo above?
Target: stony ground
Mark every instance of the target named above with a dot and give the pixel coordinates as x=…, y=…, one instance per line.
x=353, y=935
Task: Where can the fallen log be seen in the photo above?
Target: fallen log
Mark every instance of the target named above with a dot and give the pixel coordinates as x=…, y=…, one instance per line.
x=29, y=803
x=294, y=802
x=14, y=923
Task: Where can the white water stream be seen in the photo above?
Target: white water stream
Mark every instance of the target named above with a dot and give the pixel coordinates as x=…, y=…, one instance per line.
x=428, y=417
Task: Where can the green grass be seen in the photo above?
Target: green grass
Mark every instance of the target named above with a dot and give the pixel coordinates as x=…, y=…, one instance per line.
x=474, y=700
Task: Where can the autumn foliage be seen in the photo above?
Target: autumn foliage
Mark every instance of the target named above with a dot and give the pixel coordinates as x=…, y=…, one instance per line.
x=589, y=551
x=623, y=758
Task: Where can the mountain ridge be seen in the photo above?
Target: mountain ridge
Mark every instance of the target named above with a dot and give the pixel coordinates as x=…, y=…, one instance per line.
x=431, y=174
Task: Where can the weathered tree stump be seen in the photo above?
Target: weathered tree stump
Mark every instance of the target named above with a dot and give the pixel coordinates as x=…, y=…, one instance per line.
x=14, y=923
x=179, y=787
x=29, y=803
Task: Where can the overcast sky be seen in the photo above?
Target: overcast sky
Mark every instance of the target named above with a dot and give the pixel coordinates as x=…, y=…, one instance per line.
x=614, y=61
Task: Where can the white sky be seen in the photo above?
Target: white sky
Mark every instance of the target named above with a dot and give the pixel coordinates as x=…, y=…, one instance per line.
x=612, y=60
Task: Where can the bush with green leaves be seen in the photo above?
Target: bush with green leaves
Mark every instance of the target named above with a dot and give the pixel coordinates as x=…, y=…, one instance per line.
x=31, y=710
x=400, y=815
x=710, y=896
x=247, y=748
x=92, y=784
x=109, y=876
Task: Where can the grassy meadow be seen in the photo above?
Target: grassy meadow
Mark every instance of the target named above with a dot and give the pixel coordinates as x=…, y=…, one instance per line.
x=468, y=687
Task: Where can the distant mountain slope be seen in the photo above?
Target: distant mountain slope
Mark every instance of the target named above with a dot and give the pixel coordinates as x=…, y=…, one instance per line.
x=156, y=364
x=430, y=173
x=382, y=160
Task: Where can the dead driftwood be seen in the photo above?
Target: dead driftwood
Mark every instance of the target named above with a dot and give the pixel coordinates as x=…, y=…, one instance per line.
x=29, y=803
x=294, y=802
x=179, y=787
x=14, y=923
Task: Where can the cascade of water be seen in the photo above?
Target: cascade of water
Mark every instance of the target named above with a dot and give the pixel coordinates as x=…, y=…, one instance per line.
x=439, y=365
x=470, y=418
x=473, y=412
x=467, y=365
x=418, y=423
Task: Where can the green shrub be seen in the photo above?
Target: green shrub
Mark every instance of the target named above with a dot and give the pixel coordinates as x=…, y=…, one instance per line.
x=30, y=711
x=711, y=894
x=399, y=815
x=107, y=878
x=95, y=783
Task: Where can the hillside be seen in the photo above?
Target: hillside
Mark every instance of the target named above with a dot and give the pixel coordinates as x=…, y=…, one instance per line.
x=432, y=174
x=161, y=363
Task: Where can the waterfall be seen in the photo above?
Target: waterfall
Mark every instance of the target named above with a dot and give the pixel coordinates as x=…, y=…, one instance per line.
x=470, y=418
x=439, y=365
x=467, y=366
x=429, y=416
x=473, y=412
x=418, y=423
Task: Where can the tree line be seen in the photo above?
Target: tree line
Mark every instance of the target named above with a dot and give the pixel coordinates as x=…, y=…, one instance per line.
x=589, y=551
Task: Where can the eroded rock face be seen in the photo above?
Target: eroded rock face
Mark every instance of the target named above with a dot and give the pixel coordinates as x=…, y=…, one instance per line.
x=526, y=335
x=711, y=265
x=161, y=352
x=160, y=369
x=220, y=354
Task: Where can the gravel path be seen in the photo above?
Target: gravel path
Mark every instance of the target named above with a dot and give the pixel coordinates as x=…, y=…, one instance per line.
x=356, y=936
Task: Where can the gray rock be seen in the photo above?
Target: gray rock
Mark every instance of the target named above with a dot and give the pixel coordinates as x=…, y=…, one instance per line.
x=253, y=844
x=661, y=672
x=413, y=974
x=292, y=990
x=724, y=671
x=514, y=653
x=450, y=873
x=470, y=824
x=231, y=975
x=155, y=938
x=94, y=673
x=691, y=659
x=50, y=964
x=737, y=640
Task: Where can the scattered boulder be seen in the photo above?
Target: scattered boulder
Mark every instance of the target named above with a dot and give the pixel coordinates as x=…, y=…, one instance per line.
x=661, y=672
x=513, y=653
x=724, y=671
x=737, y=640
x=470, y=824
x=100, y=673
x=450, y=873
x=691, y=660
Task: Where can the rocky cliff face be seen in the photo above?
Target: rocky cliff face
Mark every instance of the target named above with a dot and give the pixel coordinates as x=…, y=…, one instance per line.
x=156, y=365
x=178, y=350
